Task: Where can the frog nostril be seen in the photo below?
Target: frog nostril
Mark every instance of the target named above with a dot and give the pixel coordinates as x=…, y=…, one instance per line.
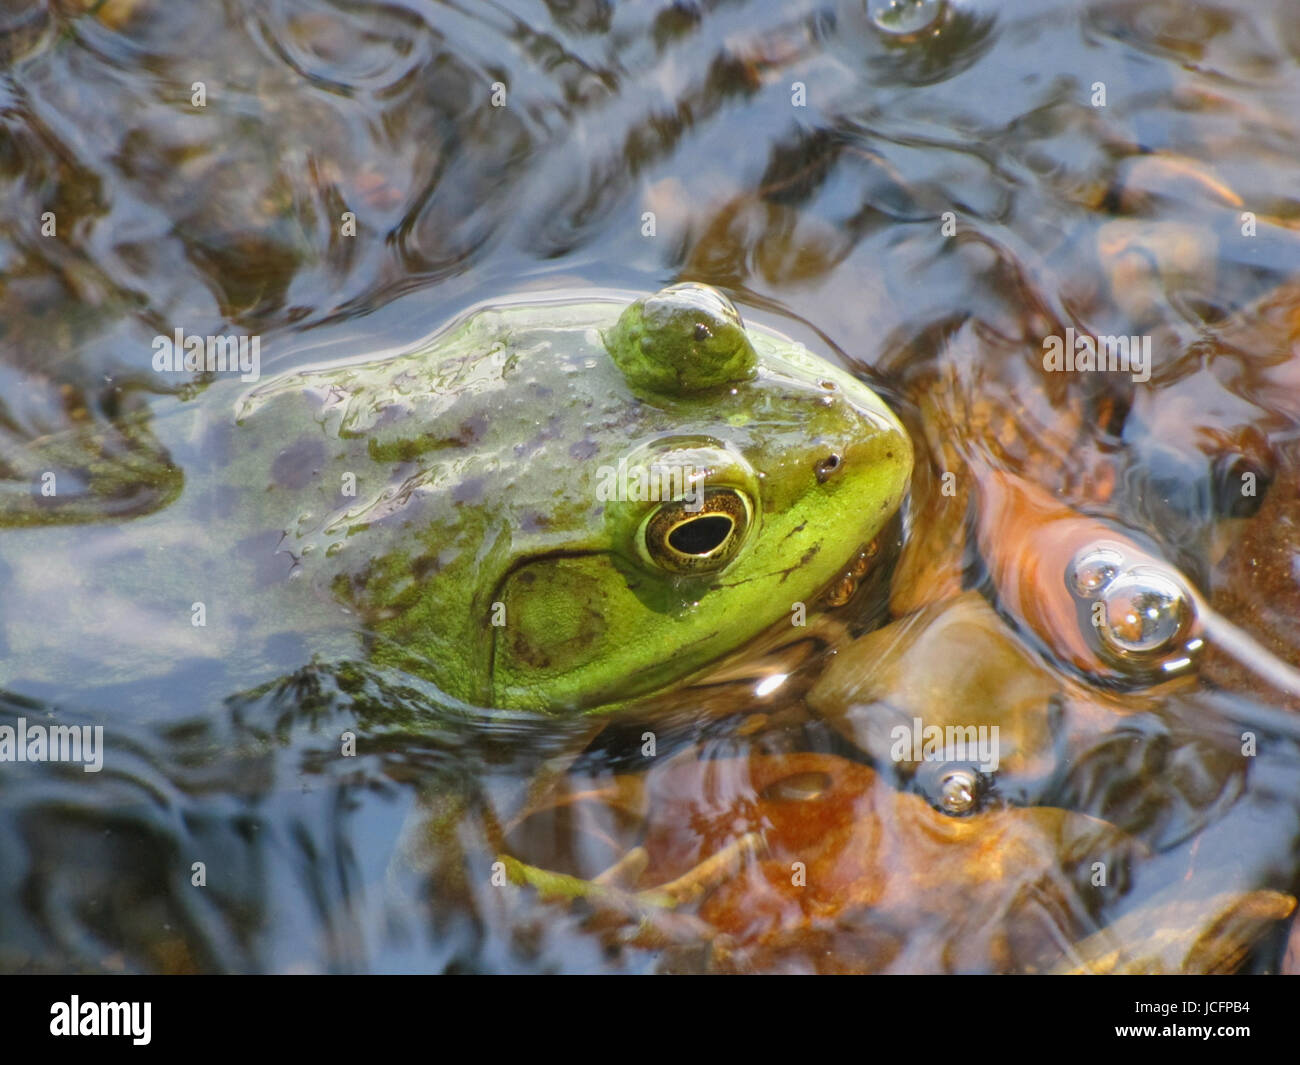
x=826, y=467
x=702, y=332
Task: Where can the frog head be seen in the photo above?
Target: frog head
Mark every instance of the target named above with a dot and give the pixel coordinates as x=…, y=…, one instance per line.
x=567, y=504
x=750, y=476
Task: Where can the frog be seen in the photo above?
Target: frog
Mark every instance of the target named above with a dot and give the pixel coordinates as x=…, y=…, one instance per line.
x=557, y=504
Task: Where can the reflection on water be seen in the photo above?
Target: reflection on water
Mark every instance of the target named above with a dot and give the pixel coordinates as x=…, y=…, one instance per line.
x=928, y=190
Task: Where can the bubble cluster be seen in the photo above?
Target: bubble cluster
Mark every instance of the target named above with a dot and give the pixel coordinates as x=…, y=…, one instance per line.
x=1146, y=608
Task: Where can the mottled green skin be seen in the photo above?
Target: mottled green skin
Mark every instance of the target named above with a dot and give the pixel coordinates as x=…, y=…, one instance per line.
x=476, y=465
x=474, y=550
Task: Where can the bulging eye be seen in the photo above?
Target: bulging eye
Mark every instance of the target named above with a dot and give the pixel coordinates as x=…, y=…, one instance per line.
x=684, y=538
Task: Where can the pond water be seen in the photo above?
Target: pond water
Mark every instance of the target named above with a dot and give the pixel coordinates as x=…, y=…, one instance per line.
x=922, y=191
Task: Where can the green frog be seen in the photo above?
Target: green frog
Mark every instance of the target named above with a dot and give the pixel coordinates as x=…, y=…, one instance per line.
x=557, y=505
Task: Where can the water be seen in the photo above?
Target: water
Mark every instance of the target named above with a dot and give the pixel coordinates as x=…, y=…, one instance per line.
x=925, y=194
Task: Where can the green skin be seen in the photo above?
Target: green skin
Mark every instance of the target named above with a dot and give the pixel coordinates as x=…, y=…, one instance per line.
x=476, y=550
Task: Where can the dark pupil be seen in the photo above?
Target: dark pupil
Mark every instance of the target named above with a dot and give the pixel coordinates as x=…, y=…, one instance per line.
x=700, y=535
x=702, y=331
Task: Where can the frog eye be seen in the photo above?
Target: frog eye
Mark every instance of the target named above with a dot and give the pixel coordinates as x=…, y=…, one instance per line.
x=701, y=537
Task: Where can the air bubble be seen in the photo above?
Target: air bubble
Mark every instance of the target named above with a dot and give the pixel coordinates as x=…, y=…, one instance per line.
x=958, y=791
x=904, y=18
x=1146, y=611
x=1093, y=569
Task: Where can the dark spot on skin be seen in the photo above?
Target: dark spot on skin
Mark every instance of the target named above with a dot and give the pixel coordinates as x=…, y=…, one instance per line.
x=469, y=490
x=468, y=433
x=532, y=521
x=889, y=454
x=797, y=529
x=295, y=466
x=550, y=432
x=424, y=566
x=471, y=430
x=583, y=450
